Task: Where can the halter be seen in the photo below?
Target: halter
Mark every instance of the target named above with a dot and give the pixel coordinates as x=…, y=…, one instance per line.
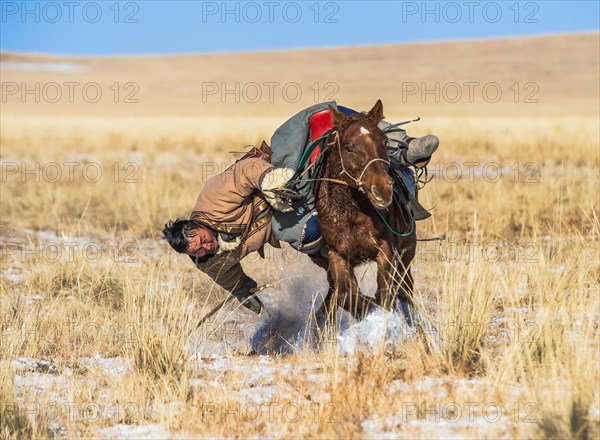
x=359, y=185
x=358, y=182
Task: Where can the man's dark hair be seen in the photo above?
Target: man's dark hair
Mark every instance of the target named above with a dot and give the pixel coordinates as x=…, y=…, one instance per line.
x=178, y=232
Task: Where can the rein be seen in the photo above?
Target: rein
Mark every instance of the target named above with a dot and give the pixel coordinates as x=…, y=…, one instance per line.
x=391, y=229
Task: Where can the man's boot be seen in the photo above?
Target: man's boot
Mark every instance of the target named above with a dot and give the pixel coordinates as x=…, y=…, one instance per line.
x=419, y=150
x=246, y=295
x=408, y=151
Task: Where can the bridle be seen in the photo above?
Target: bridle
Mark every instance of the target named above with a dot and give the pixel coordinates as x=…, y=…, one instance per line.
x=360, y=186
x=357, y=181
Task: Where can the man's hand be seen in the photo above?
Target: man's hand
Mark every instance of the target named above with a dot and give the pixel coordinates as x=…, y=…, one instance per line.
x=245, y=295
x=273, y=180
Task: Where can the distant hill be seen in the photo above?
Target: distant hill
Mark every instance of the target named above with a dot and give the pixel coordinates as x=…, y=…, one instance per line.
x=548, y=75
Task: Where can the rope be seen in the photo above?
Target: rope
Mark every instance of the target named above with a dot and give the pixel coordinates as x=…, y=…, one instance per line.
x=420, y=180
x=341, y=182
x=305, y=155
x=438, y=238
x=392, y=230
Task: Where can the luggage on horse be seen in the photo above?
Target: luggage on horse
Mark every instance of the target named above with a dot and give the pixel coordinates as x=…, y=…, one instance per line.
x=297, y=144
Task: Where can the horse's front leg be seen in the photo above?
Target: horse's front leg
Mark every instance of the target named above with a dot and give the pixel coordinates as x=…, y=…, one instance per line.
x=407, y=249
x=346, y=288
x=404, y=293
x=385, y=276
x=326, y=313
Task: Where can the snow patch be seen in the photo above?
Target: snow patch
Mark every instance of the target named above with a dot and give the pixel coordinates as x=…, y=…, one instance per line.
x=59, y=67
x=110, y=366
x=379, y=330
x=152, y=431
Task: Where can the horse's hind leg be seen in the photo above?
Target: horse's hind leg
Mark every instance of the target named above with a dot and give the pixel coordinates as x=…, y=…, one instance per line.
x=346, y=287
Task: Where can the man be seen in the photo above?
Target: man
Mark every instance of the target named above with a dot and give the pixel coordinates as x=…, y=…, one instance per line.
x=231, y=219
x=237, y=211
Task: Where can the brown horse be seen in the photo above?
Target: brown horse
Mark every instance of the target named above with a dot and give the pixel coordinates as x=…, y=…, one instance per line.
x=354, y=184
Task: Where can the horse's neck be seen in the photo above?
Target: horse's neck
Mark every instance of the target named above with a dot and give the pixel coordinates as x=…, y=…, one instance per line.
x=333, y=167
x=338, y=194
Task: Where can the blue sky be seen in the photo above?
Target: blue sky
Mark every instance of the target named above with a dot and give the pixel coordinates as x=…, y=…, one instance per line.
x=73, y=27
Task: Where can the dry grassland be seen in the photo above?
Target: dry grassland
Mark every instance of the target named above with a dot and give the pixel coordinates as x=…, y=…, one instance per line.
x=98, y=316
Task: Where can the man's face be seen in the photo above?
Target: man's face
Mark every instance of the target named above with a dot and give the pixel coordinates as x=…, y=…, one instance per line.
x=204, y=242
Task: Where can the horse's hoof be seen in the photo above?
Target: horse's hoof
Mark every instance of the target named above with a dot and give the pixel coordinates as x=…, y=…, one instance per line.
x=323, y=321
x=407, y=311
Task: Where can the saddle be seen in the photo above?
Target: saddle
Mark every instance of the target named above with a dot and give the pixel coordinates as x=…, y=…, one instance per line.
x=319, y=124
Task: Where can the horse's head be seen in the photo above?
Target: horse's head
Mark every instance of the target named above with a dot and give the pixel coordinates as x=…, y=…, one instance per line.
x=363, y=154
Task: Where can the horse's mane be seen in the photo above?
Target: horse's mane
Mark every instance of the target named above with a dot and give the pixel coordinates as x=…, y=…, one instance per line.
x=353, y=118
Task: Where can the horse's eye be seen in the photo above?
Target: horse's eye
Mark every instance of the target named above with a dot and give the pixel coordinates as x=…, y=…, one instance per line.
x=349, y=148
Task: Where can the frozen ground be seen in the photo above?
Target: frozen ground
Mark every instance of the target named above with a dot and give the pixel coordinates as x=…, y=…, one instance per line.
x=258, y=384
x=238, y=344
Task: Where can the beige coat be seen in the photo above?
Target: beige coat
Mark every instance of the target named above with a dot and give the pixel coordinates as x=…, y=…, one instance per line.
x=231, y=203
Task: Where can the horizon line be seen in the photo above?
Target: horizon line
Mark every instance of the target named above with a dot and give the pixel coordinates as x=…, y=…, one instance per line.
x=299, y=49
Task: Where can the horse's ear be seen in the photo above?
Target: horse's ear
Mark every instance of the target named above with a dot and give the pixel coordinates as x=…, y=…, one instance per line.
x=337, y=116
x=376, y=113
